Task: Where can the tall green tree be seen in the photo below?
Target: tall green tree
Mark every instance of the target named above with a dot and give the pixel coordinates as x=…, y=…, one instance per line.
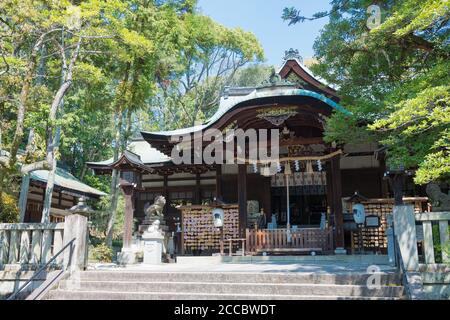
x=209, y=58
x=42, y=45
x=392, y=71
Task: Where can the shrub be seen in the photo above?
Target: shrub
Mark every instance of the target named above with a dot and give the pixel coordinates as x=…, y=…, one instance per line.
x=9, y=211
x=447, y=251
x=101, y=253
x=438, y=248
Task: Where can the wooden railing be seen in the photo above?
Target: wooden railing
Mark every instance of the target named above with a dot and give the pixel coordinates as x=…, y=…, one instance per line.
x=308, y=239
x=30, y=243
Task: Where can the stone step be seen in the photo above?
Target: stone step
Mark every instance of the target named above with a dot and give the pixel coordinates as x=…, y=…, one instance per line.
x=365, y=260
x=237, y=277
x=106, y=295
x=350, y=260
x=233, y=288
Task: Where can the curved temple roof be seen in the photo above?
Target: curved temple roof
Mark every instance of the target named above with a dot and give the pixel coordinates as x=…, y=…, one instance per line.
x=228, y=103
x=139, y=152
x=310, y=86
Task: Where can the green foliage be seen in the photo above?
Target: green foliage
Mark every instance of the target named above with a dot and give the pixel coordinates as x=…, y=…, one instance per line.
x=438, y=248
x=447, y=251
x=251, y=76
x=99, y=220
x=191, y=80
x=394, y=78
x=101, y=253
x=142, y=64
x=9, y=212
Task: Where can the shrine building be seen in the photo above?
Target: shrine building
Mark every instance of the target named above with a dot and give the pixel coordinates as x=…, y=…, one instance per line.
x=304, y=206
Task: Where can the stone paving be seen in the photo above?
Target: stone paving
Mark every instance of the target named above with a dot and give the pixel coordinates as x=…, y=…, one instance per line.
x=210, y=264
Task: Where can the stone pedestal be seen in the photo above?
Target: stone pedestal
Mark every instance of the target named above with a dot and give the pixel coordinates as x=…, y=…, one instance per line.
x=127, y=256
x=76, y=228
x=153, y=247
x=405, y=232
x=390, y=240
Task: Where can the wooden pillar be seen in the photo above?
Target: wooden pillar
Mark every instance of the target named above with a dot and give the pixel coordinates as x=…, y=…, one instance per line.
x=267, y=196
x=129, y=214
x=219, y=182
x=383, y=182
x=242, y=198
x=198, y=196
x=166, y=192
x=337, y=201
x=396, y=180
x=329, y=187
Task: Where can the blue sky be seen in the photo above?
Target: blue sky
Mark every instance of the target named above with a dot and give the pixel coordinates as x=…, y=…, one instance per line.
x=263, y=18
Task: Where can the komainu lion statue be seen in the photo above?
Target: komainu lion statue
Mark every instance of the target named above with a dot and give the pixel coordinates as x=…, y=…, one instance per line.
x=155, y=211
x=439, y=200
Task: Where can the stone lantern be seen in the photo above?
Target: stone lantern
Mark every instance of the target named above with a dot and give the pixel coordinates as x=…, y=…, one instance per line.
x=81, y=208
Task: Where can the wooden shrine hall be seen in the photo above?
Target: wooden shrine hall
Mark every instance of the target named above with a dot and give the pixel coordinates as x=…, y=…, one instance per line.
x=299, y=208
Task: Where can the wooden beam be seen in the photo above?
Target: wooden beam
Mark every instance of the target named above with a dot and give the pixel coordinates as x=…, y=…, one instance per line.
x=337, y=201
x=301, y=141
x=242, y=198
x=301, y=158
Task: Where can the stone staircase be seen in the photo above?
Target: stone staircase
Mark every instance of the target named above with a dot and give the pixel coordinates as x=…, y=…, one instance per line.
x=144, y=285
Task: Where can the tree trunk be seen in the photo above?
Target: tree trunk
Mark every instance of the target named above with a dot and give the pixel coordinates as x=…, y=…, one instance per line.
x=53, y=144
x=118, y=117
x=25, y=184
x=51, y=179
x=396, y=182
x=114, y=184
x=23, y=100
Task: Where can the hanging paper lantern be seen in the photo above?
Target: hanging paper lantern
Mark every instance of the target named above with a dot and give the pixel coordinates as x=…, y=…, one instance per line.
x=297, y=165
x=255, y=168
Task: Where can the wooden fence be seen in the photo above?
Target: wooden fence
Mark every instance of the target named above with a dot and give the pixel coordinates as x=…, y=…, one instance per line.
x=308, y=239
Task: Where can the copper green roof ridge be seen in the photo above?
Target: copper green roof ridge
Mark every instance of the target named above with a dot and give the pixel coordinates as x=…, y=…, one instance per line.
x=227, y=104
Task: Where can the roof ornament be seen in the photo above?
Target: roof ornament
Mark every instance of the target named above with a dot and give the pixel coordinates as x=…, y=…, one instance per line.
x=276, y=115
x=292, y=54
x=276, y=80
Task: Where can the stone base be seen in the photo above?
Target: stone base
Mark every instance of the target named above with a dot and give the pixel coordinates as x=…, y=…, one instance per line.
x=153, y=251
x=127, y=256
x=340, y=251
x=144, y=226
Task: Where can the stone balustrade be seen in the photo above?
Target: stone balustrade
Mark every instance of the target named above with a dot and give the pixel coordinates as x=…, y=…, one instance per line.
x=27, y=247
x=30, y=244
x=426, y=278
